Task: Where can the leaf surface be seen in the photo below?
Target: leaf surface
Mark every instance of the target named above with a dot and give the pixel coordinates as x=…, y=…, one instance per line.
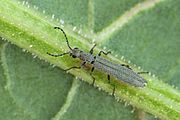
x=142, y=32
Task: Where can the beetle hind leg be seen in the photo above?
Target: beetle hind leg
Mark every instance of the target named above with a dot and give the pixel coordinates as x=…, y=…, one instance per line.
x=145, y=72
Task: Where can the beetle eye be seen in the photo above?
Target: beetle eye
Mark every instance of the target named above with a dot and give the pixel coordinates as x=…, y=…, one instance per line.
x=73, y=56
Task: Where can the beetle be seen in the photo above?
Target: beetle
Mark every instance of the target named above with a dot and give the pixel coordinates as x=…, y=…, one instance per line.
x=119, y=71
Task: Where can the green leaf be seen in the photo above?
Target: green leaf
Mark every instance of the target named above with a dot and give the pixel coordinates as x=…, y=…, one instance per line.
x=143, y=32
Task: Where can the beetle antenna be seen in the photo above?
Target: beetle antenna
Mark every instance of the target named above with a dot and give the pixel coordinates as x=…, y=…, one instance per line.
x=64, y=36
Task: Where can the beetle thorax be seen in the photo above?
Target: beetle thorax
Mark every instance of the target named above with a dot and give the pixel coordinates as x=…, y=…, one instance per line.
x=77, y=53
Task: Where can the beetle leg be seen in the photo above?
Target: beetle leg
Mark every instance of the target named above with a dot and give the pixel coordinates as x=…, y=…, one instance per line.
x=92, y=76
x=57, y=55
x=113, y=86
x=76, y=67
x=126, y=66
x=113, y=93
x=91, y=51
x=109, y=78
x=145, y=72
x=105, y=53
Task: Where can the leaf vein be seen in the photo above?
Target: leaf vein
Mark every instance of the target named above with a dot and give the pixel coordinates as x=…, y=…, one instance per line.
x=122, y=20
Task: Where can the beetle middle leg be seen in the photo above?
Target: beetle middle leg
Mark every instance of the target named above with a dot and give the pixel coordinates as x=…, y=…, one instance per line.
x=113, y=86
x=76, y=67
x=105, y=53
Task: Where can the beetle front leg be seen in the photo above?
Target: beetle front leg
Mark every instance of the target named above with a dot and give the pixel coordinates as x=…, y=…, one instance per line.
x=76, y=67
x=91, y=51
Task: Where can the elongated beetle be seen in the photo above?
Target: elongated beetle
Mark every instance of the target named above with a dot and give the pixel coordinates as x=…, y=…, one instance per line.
x=120, y=71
